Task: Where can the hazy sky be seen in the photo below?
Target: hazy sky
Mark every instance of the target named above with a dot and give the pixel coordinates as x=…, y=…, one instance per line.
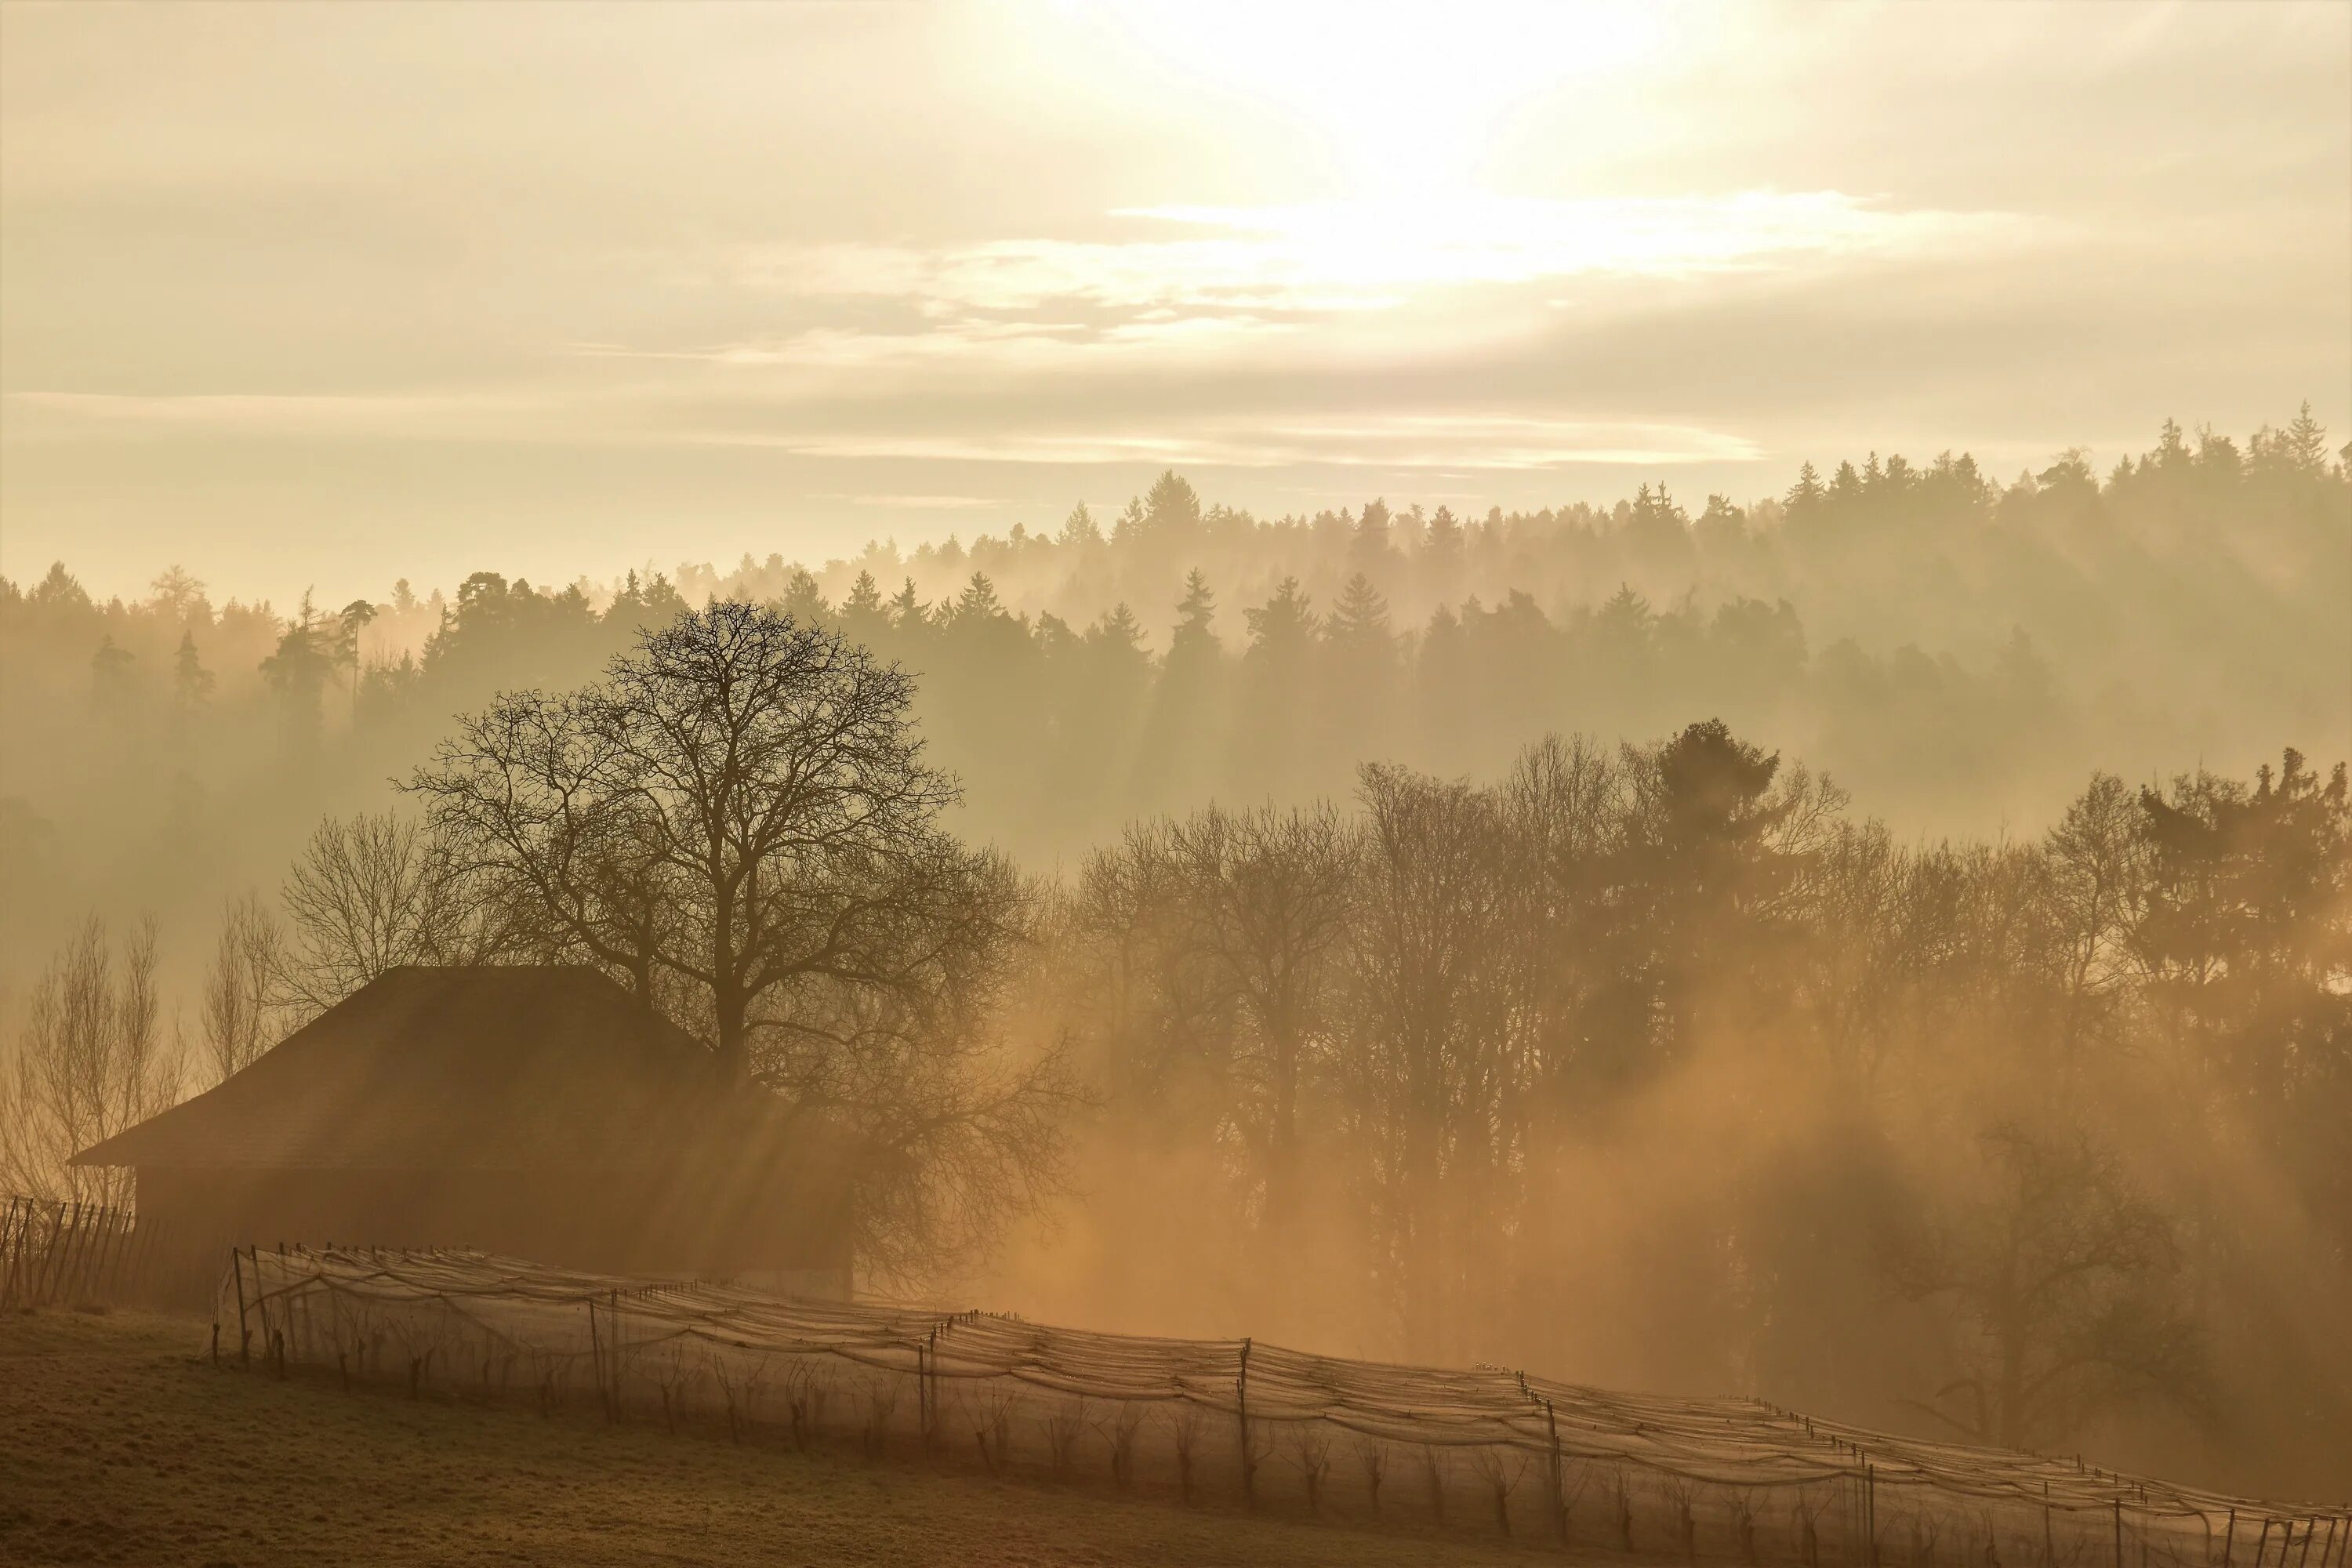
x=322, y=294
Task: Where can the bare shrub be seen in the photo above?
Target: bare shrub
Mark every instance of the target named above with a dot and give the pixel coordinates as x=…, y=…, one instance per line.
x=991, y=1409
x=1743, y=1521
x=1118, y=1434
x=1621, y=1499
x=1184, y=1435
x=882, y=1392
x=1502, y=1470
x=1064, y=1426
x=1373, y=1455
x=1805, y=1512
x=1310, y=1455
x=1676, y=1493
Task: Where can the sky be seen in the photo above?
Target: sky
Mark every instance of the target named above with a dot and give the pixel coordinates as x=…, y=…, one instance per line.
x=304, y=296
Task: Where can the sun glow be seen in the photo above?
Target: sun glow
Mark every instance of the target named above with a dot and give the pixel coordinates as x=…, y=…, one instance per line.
x=1405, y=102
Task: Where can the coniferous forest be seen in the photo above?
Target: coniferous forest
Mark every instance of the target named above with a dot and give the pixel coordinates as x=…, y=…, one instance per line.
x=1887, y=946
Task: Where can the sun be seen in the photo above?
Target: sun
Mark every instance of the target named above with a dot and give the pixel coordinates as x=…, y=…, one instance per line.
x=1404, y=100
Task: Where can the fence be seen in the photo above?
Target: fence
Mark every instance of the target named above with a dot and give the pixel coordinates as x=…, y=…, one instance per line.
x=1486, y=1449
x=68, y=1254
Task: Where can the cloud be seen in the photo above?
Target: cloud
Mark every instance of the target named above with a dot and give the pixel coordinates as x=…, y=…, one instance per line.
x=1328, y=258
x=916, y=502
x=438, y=414
x=1455, y=442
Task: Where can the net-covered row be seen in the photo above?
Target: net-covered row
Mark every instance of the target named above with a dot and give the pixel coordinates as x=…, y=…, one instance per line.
x=1484, y=1448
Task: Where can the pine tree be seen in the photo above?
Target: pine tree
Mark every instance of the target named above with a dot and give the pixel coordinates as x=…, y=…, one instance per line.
x=1195, y=614
x=1441, y=548
x=1080, y=530
x=804, y=600
x=1359, y=621
x=1283, y=626
x=2305, y=443
x=905, y=611
x=110, y=669
x=864, y=598
x=1172, y=507
x=1132, y=524
x=191, y=683
x=299, y=669
x=979, y=602
x=1807, y=493
x=1119, y=631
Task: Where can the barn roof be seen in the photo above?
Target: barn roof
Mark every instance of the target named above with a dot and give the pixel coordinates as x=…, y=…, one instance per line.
x=484, y=1068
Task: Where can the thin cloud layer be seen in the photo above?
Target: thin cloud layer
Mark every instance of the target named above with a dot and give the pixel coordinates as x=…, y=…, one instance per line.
x=707, y=279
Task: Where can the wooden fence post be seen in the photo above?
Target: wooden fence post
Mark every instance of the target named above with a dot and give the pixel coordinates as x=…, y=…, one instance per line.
x=260, y=1294
x=244, y=1331
x=47, y=1281
x=1558, y=1482
x=11, y=1240
x=1870, y=1512
x=109, y=1222
x=106, y=1281
x=927, y=1374
x=1241, y=1408
x=2120, y=1533
x=77, y=1243
x=61, y=1265
x=597, y=1358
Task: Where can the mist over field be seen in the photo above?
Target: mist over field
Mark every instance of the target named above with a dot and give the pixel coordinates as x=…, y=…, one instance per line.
x=1714, y=767
x=1627, y=973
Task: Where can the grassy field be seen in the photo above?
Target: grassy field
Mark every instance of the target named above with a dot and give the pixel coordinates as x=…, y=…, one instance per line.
x=120, y=1444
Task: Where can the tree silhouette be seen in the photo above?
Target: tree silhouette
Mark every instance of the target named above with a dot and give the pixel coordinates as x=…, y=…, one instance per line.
x=741, y=805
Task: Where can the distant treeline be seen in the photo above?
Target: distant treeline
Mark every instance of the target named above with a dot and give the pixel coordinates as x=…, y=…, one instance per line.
x=1657, y=1064
x=1954, y=651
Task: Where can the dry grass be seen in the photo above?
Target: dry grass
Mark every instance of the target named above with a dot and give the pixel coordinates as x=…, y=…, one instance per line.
x=119, y=1444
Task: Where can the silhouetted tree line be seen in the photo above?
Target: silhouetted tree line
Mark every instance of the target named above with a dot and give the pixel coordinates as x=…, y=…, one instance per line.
x=1653, y=1064
x=1949, y=647
x=1657, y=1062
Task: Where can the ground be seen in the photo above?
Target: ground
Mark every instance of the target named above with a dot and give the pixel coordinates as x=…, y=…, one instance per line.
x=120, y=1444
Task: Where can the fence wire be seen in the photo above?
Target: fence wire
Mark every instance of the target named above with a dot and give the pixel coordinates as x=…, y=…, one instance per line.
x=1485, y=1449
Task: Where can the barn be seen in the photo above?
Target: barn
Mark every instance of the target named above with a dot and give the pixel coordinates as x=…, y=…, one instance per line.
x=538, y=1111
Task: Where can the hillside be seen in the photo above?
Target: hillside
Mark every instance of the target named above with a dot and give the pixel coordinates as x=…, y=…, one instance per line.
x=122, y=1445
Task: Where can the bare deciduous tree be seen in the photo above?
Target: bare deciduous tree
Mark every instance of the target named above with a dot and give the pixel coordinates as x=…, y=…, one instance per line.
x=242, y=1005
x=2058, y=1276
x=88, y=1063
x=374, y=892
x=1268, y=901
x=739, y=819
x=741, y=804
x=1425, y=1049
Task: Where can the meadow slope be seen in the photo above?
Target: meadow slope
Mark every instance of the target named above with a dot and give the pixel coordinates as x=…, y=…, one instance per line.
x=119, y=1444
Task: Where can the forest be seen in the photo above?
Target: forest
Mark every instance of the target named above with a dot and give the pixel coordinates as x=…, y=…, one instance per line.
x=1886, y=947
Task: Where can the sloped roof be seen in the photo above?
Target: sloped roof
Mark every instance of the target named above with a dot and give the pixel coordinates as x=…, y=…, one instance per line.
x=488, y=1068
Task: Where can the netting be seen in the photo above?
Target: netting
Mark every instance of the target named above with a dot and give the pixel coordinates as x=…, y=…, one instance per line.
x=1483, y=1448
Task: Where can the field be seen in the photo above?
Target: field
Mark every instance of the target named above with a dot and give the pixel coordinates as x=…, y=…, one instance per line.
x=120, y=1444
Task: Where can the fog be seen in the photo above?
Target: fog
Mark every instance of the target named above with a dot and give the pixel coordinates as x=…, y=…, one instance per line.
x=1672, y=950
x=1656, y=694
